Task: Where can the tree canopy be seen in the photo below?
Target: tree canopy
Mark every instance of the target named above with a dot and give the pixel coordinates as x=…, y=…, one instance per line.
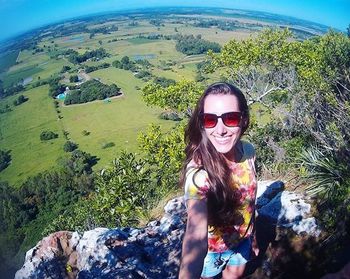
x=91, y=90
x=188, y=44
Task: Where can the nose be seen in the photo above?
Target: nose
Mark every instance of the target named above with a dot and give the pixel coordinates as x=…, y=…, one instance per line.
x=220, y=127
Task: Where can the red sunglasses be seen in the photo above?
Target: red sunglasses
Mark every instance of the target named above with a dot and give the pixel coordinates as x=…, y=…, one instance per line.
x=230, y=119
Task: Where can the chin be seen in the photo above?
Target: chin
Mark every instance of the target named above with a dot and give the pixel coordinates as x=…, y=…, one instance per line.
x=223, y=149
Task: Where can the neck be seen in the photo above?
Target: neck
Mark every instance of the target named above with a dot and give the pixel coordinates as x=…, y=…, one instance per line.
x=236, y=154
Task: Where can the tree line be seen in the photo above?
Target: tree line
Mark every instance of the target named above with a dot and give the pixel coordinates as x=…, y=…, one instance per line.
x=189, y=44
x=91, y=90
x=25, y=211
x=76, y=58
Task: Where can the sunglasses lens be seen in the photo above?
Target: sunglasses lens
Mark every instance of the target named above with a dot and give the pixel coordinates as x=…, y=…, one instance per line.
x=209, y=120
x=231, y=119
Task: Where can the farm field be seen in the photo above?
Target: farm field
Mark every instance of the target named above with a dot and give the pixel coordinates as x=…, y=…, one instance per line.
x=119, y=121
x=115, y=124
x=8, y=59
x=20, y=133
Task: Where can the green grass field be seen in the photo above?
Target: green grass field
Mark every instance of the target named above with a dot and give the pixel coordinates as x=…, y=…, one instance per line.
x=7, y=60
x=20, y=132
x=15, y=77
x=140, y=41
x=35, y=66
x=119, y=121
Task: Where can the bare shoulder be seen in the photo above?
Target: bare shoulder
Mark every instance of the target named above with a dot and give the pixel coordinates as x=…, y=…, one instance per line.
x=196, y=172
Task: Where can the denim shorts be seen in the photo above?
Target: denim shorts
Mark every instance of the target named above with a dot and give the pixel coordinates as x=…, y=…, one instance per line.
x=215, y=262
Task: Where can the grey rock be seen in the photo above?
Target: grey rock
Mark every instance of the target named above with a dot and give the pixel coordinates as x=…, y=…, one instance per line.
x=150, y=252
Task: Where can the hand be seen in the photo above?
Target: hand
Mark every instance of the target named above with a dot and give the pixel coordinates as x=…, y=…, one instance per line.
x=255, y=247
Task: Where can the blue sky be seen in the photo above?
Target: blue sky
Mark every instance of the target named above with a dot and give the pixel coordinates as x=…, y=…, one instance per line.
x=17, y=16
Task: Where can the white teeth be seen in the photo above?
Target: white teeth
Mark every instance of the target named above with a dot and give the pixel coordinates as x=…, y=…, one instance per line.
x=223, y=140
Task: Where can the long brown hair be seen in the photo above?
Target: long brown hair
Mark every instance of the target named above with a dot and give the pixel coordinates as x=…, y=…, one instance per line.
x=222, y=199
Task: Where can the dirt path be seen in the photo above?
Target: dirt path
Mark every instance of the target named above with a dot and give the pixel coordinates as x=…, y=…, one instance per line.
x=85, y=76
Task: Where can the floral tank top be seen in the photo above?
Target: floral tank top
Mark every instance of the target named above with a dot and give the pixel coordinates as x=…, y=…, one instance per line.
x=243, y=177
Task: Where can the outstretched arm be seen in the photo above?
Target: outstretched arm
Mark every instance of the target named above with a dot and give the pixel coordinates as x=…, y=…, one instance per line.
x=195, y=242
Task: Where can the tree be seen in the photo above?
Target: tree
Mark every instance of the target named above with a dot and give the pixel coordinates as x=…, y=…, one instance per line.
x=74, y=78
x=21, y=99
x=78, y=163
x=69, y=146
x=65, y=68
x=181, y=96
x=5, y=159
x=55, y=87
x=164, y=82
x=48, y=135
x=260, y=66
x=189, y=45
x=90, y=91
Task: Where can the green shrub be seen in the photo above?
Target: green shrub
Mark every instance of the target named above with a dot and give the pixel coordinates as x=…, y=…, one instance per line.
x=170, y=115
x=69, y=146
x=108, y=145
x=85, y=133
x=48, y=135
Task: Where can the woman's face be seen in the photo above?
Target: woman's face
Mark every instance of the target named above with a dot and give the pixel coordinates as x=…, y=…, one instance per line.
x=223, y=138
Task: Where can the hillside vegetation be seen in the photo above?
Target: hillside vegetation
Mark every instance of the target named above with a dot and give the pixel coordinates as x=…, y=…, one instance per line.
x=299, y=95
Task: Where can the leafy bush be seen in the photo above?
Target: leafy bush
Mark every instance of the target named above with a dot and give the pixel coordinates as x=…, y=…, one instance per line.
x=330, y=176
x=124, y=192
x=78, y=163
x=164, y=154
x=329, y=183
x=48, y=135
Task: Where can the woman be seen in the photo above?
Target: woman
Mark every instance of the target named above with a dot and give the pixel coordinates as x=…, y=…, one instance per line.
x=220, y=186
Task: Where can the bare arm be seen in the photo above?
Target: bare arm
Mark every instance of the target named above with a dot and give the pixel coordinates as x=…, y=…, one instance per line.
x=195, y=243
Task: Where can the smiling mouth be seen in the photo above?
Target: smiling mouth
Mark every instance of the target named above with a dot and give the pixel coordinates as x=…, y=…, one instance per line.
x=223, y=140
